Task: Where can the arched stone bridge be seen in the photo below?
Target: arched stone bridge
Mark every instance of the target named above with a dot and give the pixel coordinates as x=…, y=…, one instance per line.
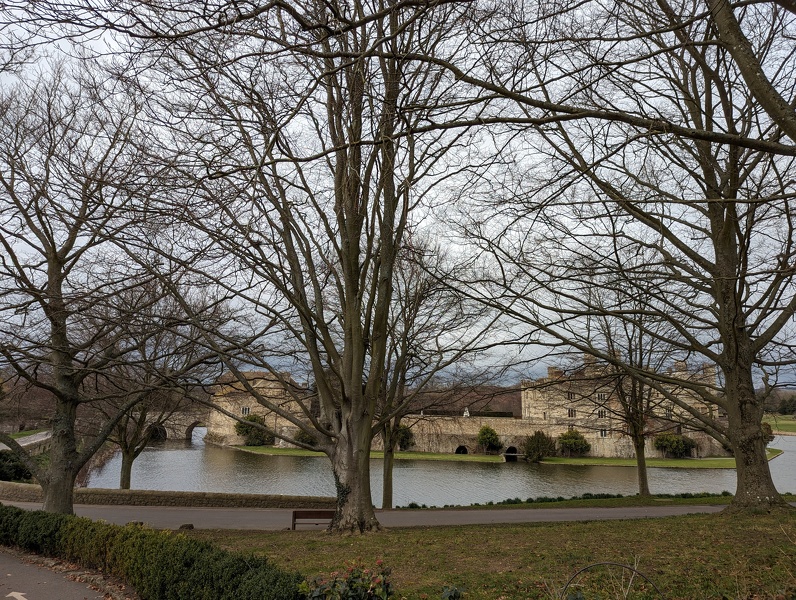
x=181, y=423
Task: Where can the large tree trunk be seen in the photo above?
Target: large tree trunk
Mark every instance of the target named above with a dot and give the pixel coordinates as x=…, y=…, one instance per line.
x=59, y=482
x=125, y=477
x=639, y=445
x=59, y=491
x=389, y=463
x=351, y=469
x=755, y=488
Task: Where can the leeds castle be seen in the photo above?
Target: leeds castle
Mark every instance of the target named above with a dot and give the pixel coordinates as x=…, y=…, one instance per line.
x=588, y=399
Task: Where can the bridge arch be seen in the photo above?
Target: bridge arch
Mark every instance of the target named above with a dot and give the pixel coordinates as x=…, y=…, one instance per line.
x=511, y=454
x=462, y=450
x=191, y=427
x=157, y=433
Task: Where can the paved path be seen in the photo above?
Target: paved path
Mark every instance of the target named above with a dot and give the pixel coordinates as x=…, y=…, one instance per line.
x=23, y=580
x=30, y=440
x=274, y=519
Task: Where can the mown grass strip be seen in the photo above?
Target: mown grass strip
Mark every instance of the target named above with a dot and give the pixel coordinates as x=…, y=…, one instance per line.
x=781, y=423
x=667, y=463
x=22, y=434
x=695, y=556
x=600, y=501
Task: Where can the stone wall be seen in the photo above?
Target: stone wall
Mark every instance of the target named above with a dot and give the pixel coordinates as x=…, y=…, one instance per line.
x=180, y=424
x=25, y=492
x=447, y=434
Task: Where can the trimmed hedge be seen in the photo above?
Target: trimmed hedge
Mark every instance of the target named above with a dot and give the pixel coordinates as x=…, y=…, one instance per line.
x=159, y=565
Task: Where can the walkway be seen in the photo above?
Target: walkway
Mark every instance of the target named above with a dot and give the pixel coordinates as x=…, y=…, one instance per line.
x=274, y=519
x=30, y=577
x=31, y=440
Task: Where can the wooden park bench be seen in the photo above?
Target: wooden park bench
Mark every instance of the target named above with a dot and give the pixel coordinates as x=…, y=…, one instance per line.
x=311, y=517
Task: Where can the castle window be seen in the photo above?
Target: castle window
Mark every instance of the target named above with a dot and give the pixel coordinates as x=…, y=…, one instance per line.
x=602, y=413
x=570, y=395
x=544, y=416
x=603, y=433
x=244, y=410
x=668, y=413
x=602, y=397
x=571, y=413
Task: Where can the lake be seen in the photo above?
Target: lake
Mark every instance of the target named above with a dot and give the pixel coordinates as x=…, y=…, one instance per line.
x=195, y=466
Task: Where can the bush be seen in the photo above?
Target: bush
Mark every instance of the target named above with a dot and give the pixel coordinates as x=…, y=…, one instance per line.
x=537, y=446
x=573, y=443
x=253, y=435
x=357, y=583
x=787, y=405
x=306, y=438
x=406, y=439
x=488, y=439
x=673, y=445
x=159, y=565
x=11, y=468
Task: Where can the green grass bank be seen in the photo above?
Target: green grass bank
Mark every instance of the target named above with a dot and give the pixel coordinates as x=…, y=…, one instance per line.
x=673, y=463
x=696, y=556
x=783, y=424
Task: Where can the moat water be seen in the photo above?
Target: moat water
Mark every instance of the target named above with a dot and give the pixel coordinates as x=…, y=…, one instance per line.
x=194, y=466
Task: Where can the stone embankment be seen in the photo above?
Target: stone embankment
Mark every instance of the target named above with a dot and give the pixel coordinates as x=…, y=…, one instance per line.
x=27, y=492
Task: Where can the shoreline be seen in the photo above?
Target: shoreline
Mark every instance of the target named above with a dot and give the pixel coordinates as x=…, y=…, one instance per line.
x=654, y=463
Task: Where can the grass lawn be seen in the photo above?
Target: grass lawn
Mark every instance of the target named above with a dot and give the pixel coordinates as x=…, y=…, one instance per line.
x=694, y=556
x=781, y=423
x=671, y=463
x=688, y=463
x=21, y=434
x=270, y=450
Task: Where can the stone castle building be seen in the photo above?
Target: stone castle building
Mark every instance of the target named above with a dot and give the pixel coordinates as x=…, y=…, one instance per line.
x=585, y=399
x=233, y=397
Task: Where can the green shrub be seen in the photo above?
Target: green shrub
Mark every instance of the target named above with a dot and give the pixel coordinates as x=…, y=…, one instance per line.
x=253, y=435
x=674, y=445
x=357, y=583
x=11, y=468
x=488, y=439
x=537, y=446
x=159, y=565
x=451, y=592
x=87, y=542
x=406, y=439
x=573, y=443
x=39, y=532
x=787, y=405
x=306, y=438
x=10, y=518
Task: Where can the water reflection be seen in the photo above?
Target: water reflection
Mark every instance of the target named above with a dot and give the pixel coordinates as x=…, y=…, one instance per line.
x=194, y=466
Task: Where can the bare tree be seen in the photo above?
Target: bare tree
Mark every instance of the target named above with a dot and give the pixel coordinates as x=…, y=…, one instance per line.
x=435, y=335
x=613, y=399
x=713, y=220
x=307, y=135
x=167, y=370
x=70, y=180
x=731, y=20
x=574, y=39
